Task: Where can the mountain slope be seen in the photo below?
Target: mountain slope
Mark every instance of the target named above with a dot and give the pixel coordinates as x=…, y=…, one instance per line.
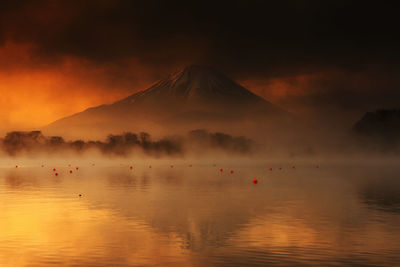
x=196, y=97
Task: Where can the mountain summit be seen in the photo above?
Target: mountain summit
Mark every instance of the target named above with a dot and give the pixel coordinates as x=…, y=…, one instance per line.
x=196, y=97
x=196, y=83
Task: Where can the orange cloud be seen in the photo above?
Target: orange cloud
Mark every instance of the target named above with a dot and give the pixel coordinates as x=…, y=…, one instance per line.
x=35, y=93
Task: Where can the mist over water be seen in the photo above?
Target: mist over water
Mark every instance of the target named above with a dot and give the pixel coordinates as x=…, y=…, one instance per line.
x=186, y=212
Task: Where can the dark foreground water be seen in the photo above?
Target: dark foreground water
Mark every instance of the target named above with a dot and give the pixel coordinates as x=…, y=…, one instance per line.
x=338, y=214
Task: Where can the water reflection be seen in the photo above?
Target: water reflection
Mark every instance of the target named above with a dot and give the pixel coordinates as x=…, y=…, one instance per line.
x=19, y=181
x=199, y=217
x=127, y=180
x=382, y=194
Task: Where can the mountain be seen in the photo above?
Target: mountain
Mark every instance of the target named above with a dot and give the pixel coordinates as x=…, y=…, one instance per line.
x=196, y=97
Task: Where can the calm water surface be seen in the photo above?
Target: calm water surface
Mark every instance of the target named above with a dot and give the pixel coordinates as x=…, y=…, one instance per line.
x=338, y=214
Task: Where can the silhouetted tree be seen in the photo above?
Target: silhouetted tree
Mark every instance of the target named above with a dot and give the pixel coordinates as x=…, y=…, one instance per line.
x=78, y=145
x=15, y=142
x=56, y=141
x=131, y=139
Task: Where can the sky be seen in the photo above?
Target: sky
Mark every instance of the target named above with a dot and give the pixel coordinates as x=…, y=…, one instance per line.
x=326, y=60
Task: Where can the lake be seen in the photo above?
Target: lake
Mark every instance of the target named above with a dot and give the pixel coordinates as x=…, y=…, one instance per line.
x=105, y=214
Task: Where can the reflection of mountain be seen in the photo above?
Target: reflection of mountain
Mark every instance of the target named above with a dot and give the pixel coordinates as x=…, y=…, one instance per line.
x=199, y=217
x=177, y=209
x=196, y=97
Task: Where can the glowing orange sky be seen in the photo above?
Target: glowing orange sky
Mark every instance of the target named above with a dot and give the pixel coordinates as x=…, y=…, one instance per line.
x=35, y=92
x=33, y=96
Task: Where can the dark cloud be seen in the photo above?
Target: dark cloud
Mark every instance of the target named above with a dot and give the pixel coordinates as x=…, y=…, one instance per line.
x=239, y=36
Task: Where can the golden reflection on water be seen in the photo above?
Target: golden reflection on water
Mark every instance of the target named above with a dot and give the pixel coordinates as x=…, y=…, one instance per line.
x=69, y=231
x=194, y=217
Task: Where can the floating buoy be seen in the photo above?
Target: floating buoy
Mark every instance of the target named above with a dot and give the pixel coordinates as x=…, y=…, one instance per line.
x=255, y=181
x=16, y=166
x=172, y=166
x=70, y=171
x=221, y=170
x=130, y=167
x=56, y=174
x=76, y=168
x=293, y=167
x=54, y=169
x=80, y=195
x=270, y=169
x=317, y=166
x=231, y=171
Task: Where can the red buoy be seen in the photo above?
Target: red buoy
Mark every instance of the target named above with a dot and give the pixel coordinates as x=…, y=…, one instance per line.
x=293, y=167
x=317, y=166
x=270, y=169
x=172, y=166
x=76, y=168
x=130, y=167
x=56, y=174
x=16, y=166
x=221, y=170
x=54, y=169
x=70, y=171
x=255, y=181
x=231, y=171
